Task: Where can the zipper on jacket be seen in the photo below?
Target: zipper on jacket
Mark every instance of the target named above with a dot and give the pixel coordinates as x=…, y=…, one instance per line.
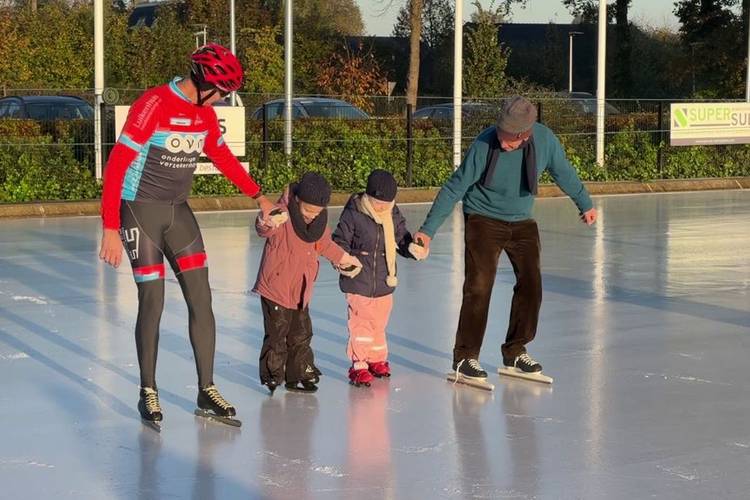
x=375, y=262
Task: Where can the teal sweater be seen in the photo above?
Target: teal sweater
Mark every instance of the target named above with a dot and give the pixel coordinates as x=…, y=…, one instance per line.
x=506, y=198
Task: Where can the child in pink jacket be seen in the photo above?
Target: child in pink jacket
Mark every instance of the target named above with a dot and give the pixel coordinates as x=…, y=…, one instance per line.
x=288, y=270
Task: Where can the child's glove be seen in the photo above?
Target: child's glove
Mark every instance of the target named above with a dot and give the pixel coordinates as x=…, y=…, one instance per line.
x=276, y=218
x=418, y=250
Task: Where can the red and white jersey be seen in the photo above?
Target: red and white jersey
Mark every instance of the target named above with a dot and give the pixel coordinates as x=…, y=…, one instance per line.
x=158, y=150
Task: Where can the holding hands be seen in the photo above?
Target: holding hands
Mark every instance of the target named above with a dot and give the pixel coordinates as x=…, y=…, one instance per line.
x=270, y=214
x=274, y=218
x=420, y=247
x=349, y=266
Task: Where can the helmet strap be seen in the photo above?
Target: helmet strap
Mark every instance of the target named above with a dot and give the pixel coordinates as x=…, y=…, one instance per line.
x=202, y=86
x=202, y=98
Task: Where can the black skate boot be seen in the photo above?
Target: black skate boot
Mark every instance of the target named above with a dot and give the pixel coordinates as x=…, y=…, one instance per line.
x=213, y=406
x=272, y=385
x=470, y=368
x=469, y=371
x=525, y=367
x=149, y=408
x=303, y=386
x=312, y=374
x=525, y=363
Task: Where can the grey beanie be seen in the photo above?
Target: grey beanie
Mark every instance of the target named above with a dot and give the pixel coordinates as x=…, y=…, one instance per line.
x=517, y=115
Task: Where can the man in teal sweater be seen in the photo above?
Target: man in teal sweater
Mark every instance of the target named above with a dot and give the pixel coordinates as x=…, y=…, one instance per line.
x=497, y=182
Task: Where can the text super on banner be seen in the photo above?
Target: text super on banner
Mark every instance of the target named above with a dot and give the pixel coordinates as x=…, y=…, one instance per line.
x=709, y=123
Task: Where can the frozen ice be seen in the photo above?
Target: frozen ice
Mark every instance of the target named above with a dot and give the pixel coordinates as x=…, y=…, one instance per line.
x=645, y=328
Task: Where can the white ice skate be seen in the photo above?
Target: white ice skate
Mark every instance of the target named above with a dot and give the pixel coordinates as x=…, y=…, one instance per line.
x=525, y=367
x=469, y=372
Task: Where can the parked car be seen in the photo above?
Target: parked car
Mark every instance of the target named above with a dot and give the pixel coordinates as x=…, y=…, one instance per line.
x=585, y=103
x=445, y=111
x=46, y=108
x=146, y=14
x=312, y=107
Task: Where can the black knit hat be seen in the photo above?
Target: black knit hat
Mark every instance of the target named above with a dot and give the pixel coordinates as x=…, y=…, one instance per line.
x=314, y=189
x=381, y=185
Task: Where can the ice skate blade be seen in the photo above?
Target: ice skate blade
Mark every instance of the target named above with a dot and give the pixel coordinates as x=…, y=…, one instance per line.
x=216, y=418
x=271, y=388
x=478, y=383
x=301, y=390
x=154, y=426
x=533, y=377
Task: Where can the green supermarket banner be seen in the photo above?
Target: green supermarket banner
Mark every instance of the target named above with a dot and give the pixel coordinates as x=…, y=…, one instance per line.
x=707, y=123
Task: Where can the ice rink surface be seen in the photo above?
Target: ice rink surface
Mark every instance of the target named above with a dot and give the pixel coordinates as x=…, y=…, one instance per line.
x=645, y=327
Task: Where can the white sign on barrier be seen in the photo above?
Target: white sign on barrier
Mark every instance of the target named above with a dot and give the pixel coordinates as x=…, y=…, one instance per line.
x=231, y=123
x=208, y=168
x=708, y=123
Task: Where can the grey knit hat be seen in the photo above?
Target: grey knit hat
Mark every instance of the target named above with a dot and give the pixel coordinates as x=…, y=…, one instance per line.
x=517, y=115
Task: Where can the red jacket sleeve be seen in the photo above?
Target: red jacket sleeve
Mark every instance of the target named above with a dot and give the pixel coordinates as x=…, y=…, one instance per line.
x=140, y=125
x=219, y=153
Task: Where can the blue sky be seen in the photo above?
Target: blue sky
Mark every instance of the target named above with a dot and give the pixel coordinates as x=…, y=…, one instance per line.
x=380, y=15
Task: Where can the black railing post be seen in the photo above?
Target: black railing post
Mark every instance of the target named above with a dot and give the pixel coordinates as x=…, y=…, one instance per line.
x=264, y=146
x=409, y=143
x=103, y=135
x=660, y=135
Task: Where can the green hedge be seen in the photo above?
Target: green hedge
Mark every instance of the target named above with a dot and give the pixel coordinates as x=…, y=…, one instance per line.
x=34, y=166
x=38, y=163
x=344, y=152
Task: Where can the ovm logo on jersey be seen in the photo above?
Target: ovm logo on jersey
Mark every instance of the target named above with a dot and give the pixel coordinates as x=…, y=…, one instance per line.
x=184, y=143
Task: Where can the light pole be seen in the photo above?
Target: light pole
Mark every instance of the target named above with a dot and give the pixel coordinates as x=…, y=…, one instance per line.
x=458, y=59
x=232, y=45
x=98, y=84
x=288, y=77
x=601, y=66
x=571, y=34
x=747, y=76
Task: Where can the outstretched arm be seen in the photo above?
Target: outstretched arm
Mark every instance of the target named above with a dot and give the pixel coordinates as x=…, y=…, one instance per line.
x=566, y=177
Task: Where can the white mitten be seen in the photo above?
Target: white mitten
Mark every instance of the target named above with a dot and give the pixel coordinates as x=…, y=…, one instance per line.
x=418, y=250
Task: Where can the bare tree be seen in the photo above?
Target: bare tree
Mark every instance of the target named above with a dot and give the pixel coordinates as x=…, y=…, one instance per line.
x=415, y=37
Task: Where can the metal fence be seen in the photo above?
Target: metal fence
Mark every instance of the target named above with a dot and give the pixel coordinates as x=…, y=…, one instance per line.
x=428, y=127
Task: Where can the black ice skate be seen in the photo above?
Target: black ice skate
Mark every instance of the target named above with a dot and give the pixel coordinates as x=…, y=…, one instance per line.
x=470, y=372
x=213, y=406
x=312, y=374
x=272, y=385
x=149, y=408
x=303, y=386
x=525, y=367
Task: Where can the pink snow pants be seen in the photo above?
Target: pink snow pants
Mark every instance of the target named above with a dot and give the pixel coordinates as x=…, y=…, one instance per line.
x=368, y=318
